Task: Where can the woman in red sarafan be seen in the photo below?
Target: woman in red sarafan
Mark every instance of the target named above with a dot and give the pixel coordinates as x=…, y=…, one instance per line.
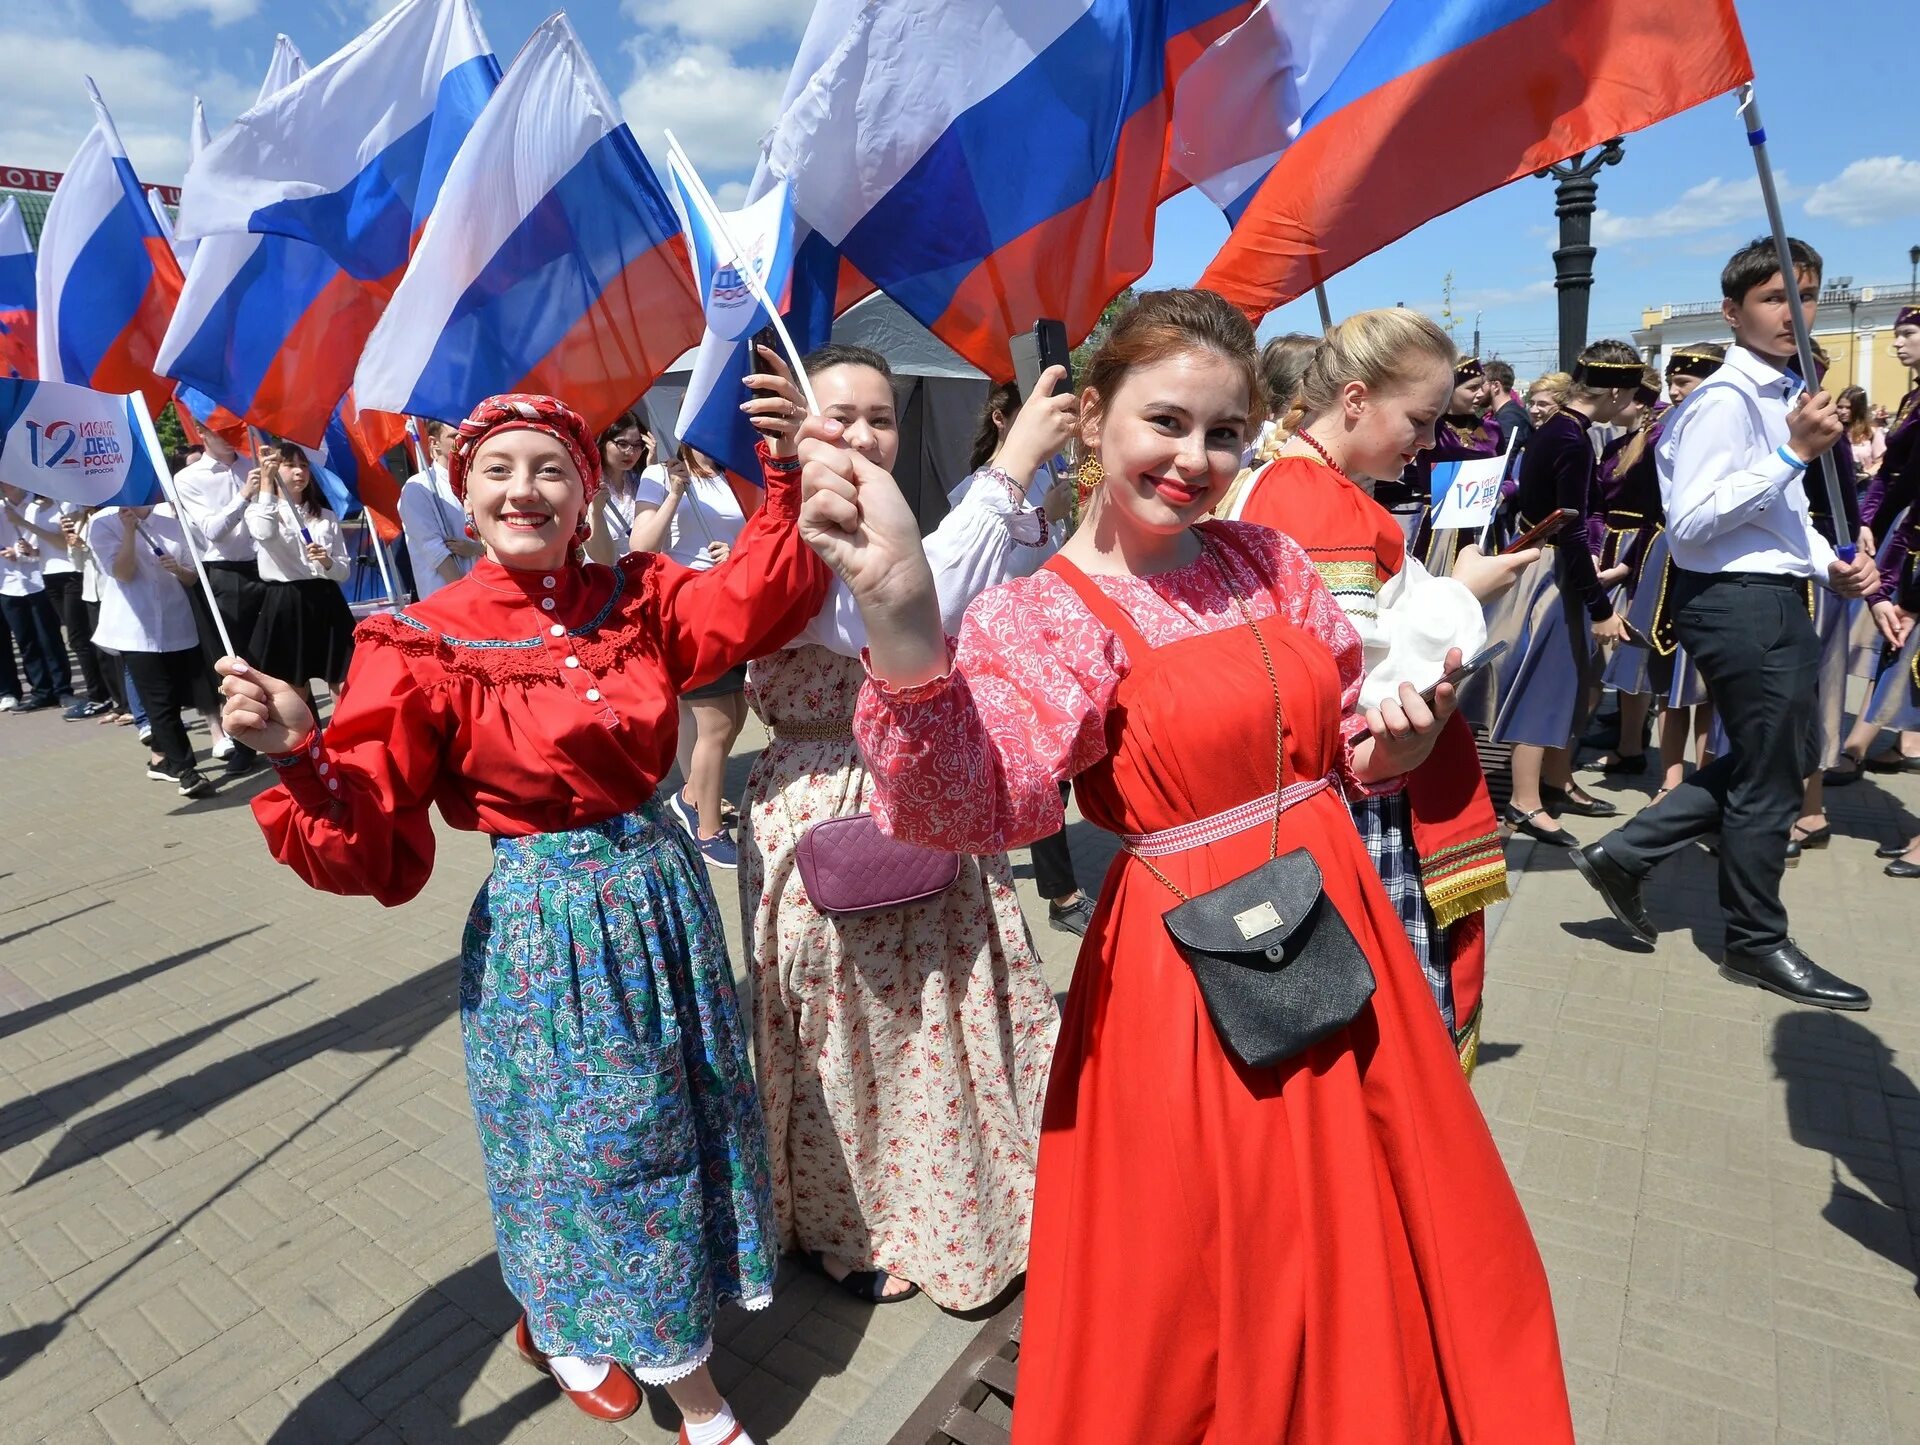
x=534, y=700
x=1323, y=1250
x=1373, y=394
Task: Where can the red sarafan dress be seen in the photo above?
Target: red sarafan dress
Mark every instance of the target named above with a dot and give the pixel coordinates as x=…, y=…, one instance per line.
x=1326, y=1251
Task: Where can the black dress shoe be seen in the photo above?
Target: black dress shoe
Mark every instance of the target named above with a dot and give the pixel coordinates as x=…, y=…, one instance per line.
x=1812, y=838
x=1618, y=889
x=1901, y=868
x=1523, y=823
x=1891, y=850
x=1791, y=974
x=1560, y=800
x=1619, y=766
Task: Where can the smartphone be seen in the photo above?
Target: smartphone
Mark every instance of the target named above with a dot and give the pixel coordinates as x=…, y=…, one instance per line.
x=766, y=336
x=1034, y=351
x=1534, y=536
x=1473, y=666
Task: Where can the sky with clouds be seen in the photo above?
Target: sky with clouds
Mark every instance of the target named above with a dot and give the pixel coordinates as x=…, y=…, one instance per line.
x=1835, y=83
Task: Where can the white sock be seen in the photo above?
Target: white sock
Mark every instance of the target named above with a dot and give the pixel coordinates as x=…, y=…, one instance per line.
x=578, y=1374
x=712, y=1432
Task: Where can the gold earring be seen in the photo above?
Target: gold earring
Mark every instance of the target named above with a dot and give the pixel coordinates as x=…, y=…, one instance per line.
x=1089, y=476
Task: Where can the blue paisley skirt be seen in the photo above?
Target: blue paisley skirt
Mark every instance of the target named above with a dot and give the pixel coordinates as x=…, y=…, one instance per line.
x=626, y=1160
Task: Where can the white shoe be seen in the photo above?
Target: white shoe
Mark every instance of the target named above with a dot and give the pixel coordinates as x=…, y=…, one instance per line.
x=223, y=749
x=9, y=704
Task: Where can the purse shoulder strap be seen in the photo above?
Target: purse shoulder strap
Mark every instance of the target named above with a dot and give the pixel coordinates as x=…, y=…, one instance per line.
x=1106, y=611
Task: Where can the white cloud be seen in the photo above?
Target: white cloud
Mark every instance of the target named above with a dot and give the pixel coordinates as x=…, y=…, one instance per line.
x=149, y=93
x=731, y=195
x=1708, y=206
x=1869, y=192
x=219, y=12
x=728, y=21
x=716, y=107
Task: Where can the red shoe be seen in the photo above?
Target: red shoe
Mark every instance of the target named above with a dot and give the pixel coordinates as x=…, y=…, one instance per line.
x=614, y=1398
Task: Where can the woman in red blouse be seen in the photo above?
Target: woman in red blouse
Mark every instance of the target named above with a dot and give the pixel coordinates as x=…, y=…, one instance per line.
x=1325, y=1249
x=534, y=700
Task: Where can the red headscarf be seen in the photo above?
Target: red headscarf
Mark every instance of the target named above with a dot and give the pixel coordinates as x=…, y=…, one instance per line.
x=518, y=412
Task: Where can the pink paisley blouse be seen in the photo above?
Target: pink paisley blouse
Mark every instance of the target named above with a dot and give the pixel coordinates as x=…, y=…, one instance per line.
x=972, y=761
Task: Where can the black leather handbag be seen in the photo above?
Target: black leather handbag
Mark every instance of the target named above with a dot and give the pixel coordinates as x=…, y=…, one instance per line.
x=1278, y=968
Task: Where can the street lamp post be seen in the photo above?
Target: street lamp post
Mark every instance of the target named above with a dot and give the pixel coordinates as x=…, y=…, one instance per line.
x=1574, y=199
x=1913, y=281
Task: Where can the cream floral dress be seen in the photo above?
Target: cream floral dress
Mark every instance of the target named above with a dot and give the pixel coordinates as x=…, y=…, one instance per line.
x=903, y=1056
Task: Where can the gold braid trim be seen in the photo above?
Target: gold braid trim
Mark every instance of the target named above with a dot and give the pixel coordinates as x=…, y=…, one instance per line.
x=1466, y=1041
x=1469, y=891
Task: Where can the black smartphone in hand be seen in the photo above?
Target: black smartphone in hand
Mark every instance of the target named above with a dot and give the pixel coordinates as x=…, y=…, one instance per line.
x=1034, y=351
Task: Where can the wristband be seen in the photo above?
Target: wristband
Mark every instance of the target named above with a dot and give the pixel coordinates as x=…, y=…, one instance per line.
x=1791, y=460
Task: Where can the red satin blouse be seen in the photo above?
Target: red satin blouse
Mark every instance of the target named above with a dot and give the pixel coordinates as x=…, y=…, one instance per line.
x=528, y=702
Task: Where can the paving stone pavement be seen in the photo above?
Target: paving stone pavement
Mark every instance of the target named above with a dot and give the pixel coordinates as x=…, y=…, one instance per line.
x=240, y=1194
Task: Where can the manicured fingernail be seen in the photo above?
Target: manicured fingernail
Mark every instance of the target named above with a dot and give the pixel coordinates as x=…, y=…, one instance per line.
x=239, y=664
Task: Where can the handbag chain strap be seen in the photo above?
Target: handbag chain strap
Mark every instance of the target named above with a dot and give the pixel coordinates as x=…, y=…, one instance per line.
x=1279, y=728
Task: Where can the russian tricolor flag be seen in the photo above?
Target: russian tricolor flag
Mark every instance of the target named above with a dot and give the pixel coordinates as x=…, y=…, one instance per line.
x=1329, y=130
x=990, y=162
x=107, y=277
x=347, y=159
x=553, y=262
x=18, y=357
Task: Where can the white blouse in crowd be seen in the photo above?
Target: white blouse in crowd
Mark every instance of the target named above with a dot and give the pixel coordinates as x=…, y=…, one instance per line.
x=275, y=525
x=149, y=612
x=708, y=513
x=19, y=576
x=431, y=517
x=213, y=495
x=45, y=513
x=988, y=538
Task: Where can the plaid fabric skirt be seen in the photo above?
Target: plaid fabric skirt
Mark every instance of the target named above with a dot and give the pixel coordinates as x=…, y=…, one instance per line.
x=1386, y=825
x=626, y=1161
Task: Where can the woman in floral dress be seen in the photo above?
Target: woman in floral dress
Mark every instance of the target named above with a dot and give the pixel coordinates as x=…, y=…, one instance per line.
x=902, y=1055
x=534, y=700
x=1322, y=1250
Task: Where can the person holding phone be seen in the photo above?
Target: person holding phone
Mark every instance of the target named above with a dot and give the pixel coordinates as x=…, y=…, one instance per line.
x=1561, y=615
x=1369, y=397
x=902, y=1052
x=1325, y=1248
x=306, y=627
x=626, y=450
x=1465, y=432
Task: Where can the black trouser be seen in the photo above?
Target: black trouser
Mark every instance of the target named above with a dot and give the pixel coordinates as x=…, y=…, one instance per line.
x=1053, y=862
x=1760, y=657
x=36, y=630
x=65, y=589
x=166, y=682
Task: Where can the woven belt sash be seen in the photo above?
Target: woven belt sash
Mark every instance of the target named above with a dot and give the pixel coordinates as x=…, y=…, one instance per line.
x=1222, y=825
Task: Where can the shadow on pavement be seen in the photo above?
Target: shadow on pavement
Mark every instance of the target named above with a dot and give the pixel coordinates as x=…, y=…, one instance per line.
x=395, y=1018
x=66, y=1003
x=7, y=938
x=1827, y=1061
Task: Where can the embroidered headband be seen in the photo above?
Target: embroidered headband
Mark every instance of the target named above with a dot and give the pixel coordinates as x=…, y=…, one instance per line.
x=1689, y=362
x=1909, y=316
x=1467, y=369
x=1603, y=375
x=520, y=412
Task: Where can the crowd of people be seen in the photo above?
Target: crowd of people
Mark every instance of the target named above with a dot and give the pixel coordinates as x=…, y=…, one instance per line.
x=1242, y=1171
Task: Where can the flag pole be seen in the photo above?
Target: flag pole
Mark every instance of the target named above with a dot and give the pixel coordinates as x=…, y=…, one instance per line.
x=381, y=559
x=151, y=439
x=710, y=211
x=1326, y=312
x=1845, y=537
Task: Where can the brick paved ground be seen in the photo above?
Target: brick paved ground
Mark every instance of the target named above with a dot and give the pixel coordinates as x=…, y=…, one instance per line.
x=240, y=1199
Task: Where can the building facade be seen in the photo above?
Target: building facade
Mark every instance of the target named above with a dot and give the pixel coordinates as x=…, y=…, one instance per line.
x=1853, y=324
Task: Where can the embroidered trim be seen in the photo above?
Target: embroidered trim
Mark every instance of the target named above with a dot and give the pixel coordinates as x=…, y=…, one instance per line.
x=593, y=625
x=1202, y=831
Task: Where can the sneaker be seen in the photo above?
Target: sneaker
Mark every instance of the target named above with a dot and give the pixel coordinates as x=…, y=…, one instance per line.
x=223, y=748
x=193, y=785
x=1073, y=917
x=32, y=704
x=240, y=760
x=9, y=703
x=719, y=850
x=83, y=709
x=146, y=737
x=160, y=774
x=683, y=814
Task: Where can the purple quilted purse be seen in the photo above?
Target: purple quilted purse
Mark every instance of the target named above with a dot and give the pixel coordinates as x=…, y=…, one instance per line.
x=849, y=868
